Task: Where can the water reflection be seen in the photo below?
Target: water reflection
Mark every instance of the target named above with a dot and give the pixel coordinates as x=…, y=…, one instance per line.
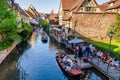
x=38, y=62
x=33, y=38
x=9, y=68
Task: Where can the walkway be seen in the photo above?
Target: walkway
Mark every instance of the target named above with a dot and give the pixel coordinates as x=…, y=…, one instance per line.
x=113, y=74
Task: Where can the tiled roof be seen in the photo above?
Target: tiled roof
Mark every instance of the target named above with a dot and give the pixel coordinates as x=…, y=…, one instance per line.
x=103, y=7
x=78, y=3
x=29, y=14
x=53, y=16
x=66, y=4
x=115, y=5
x=33, y=11
x=111, y=1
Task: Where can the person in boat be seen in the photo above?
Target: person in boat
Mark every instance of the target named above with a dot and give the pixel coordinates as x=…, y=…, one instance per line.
x=67, y=61
x=75, y=65
x=68, y=67
x=62, y=55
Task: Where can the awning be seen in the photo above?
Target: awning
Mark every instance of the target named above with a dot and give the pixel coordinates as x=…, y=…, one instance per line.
x=74, y=41
x=57, y=29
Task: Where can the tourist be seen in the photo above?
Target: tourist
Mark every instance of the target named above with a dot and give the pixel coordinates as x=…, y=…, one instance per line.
x=83, y=50
x=117, y=63
x=92, y=49
x=87, y=51
x=99, y=54
x=110, y=59
x=104, y=56
x=75, y=65
x=77, y=49
x=80, y=54
x=68, y=67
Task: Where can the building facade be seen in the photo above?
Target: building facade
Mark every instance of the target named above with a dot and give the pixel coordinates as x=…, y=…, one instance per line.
x=86, y=17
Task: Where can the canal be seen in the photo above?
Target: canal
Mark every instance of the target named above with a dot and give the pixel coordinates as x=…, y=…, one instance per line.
x=35, y=60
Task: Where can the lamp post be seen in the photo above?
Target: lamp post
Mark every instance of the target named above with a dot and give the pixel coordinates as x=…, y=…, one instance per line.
x=110, y=35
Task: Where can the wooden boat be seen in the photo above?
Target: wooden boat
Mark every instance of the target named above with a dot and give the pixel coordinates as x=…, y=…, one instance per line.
x=73, y=71
x=44, y=37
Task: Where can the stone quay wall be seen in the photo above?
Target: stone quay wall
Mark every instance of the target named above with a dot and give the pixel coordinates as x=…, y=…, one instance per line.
x=93, y=24
x=6, y=52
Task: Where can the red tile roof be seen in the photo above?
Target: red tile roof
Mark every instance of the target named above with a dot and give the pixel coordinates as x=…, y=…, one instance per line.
x=72, y=4
x=53, y=16
x=111, y=1
x=103, y=7
x=78, y=2
x=66, y=4
x=115, y=5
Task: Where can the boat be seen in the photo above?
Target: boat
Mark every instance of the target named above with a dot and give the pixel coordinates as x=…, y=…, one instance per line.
x=73, y=71
x=44, y=37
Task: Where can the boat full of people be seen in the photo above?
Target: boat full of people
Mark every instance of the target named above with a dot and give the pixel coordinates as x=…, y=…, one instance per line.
x=68, y=65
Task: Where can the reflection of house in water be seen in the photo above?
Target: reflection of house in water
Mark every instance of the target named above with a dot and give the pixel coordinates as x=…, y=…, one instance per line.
x=51, y=44
x=32, y=39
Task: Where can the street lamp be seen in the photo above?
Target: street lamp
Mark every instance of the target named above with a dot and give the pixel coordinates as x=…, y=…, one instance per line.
x=110, y=35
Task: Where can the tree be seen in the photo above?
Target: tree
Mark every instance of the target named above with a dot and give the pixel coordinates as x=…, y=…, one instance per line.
x=26, y=30
x=9, y=29
x=8, y=23
x=115, y=27
x=45, y=24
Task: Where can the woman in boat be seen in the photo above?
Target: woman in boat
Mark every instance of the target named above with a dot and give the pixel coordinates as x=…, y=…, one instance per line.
x=75, y=65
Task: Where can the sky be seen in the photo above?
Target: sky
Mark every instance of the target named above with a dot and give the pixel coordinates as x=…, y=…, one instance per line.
x=45, y=5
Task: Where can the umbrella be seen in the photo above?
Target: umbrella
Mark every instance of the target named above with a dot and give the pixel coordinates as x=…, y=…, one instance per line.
x=74, y=41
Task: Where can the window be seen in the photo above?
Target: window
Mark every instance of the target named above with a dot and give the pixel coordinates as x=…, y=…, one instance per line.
x=89, y=9
x=88, y=0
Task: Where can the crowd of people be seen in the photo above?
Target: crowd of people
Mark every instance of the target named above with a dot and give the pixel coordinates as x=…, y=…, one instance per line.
x=89, y=52
x=82, y=50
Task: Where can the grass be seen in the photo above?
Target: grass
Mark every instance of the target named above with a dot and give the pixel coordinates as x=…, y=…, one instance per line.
x=103, y=46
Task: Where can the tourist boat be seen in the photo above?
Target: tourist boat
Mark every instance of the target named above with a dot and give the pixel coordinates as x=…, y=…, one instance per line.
x=44, y=37
x=73, y=72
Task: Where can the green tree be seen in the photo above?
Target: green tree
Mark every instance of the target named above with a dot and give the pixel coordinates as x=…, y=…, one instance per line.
x=115, y=27
x=26, y=30
x=9, y=30
x=8, y=22
x=44, y=24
